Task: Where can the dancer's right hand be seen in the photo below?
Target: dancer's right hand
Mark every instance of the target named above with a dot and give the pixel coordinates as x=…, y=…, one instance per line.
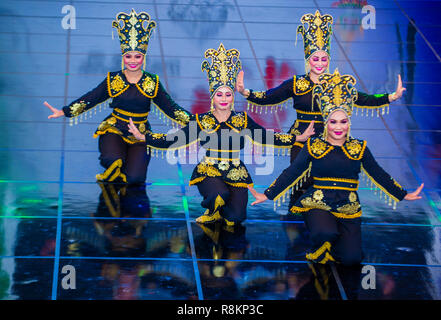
x=309, y=131
x=134, y=130
x=260, y=197
x=56, y=113
x=240, y=87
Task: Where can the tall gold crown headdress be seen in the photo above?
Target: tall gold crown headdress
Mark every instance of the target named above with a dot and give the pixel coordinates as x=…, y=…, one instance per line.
x=134, y=31
x=225, y=65
x=335, y=92
x=317, y=34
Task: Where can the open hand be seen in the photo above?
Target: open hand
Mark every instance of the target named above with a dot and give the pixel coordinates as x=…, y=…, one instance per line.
x=56, y=113
x=240, y=87
x=309, y=131
x=398, y=92
x=414, y=195
x=260, y=197
x=134, y=130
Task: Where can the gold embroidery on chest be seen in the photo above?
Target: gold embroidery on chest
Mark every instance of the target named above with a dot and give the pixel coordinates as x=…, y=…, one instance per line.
x=208, y=122
x=354, y=147
x=148, y=85
x=238, y=120
x=117, y=83
x=318, y=146
x=302, y=84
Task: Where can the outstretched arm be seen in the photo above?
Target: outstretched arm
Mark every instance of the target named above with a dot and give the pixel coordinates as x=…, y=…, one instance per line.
x=170, y=108
x=177, y=140
x=268, y=97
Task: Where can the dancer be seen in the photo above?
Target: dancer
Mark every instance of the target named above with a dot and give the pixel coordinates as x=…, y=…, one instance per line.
x=221, y=177
x=130, y=92
x=317, y=44
x=331, y=207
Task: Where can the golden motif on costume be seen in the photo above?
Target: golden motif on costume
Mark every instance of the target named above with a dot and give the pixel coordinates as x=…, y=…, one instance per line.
x=238, y=120
x=318, y=195
x=354, y=147
x=316, y=201
x=134, y=31
x=107, y=123
x=225, y=65
x=181, y=116
x=209, y=161
x=302, y=84
x=223, y=165
x=236, y=174
x=350, y=208
x=208, y=122
x=142, y=128
x=148, y=85
x=318, y=146
x=295, y=130
x=117, y=84
x=284, y=137
x=235, y=162
x=259, y=94
x=77, y=108
x=206, y=169
x=352, y=196
x=157, y=136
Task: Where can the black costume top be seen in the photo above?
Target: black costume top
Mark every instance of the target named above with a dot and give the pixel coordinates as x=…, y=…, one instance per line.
x=335, y=171
x=223, y=142
x=128, y=100
x=300, y=88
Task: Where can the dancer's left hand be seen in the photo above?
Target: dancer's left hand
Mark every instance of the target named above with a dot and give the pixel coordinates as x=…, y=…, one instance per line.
x=260, y=197
x=134, y=130
x=414, y=195
x=398, y=92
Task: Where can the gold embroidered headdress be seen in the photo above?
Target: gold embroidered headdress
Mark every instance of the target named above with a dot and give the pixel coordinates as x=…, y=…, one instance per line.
x=335, y=92
x=134, y=31
x=225, y=65
x=317, y=33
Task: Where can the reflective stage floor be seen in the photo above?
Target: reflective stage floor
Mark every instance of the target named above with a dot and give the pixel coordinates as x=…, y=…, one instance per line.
x=143, y=243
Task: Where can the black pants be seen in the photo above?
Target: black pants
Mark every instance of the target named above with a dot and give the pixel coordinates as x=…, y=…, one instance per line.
x=134, y=156
x=236, y=199
x=344, y=235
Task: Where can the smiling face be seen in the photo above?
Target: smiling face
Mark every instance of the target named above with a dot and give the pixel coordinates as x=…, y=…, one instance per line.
x=223, y=98
x=338, y=126
x=133, y=60
x=318, y=62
